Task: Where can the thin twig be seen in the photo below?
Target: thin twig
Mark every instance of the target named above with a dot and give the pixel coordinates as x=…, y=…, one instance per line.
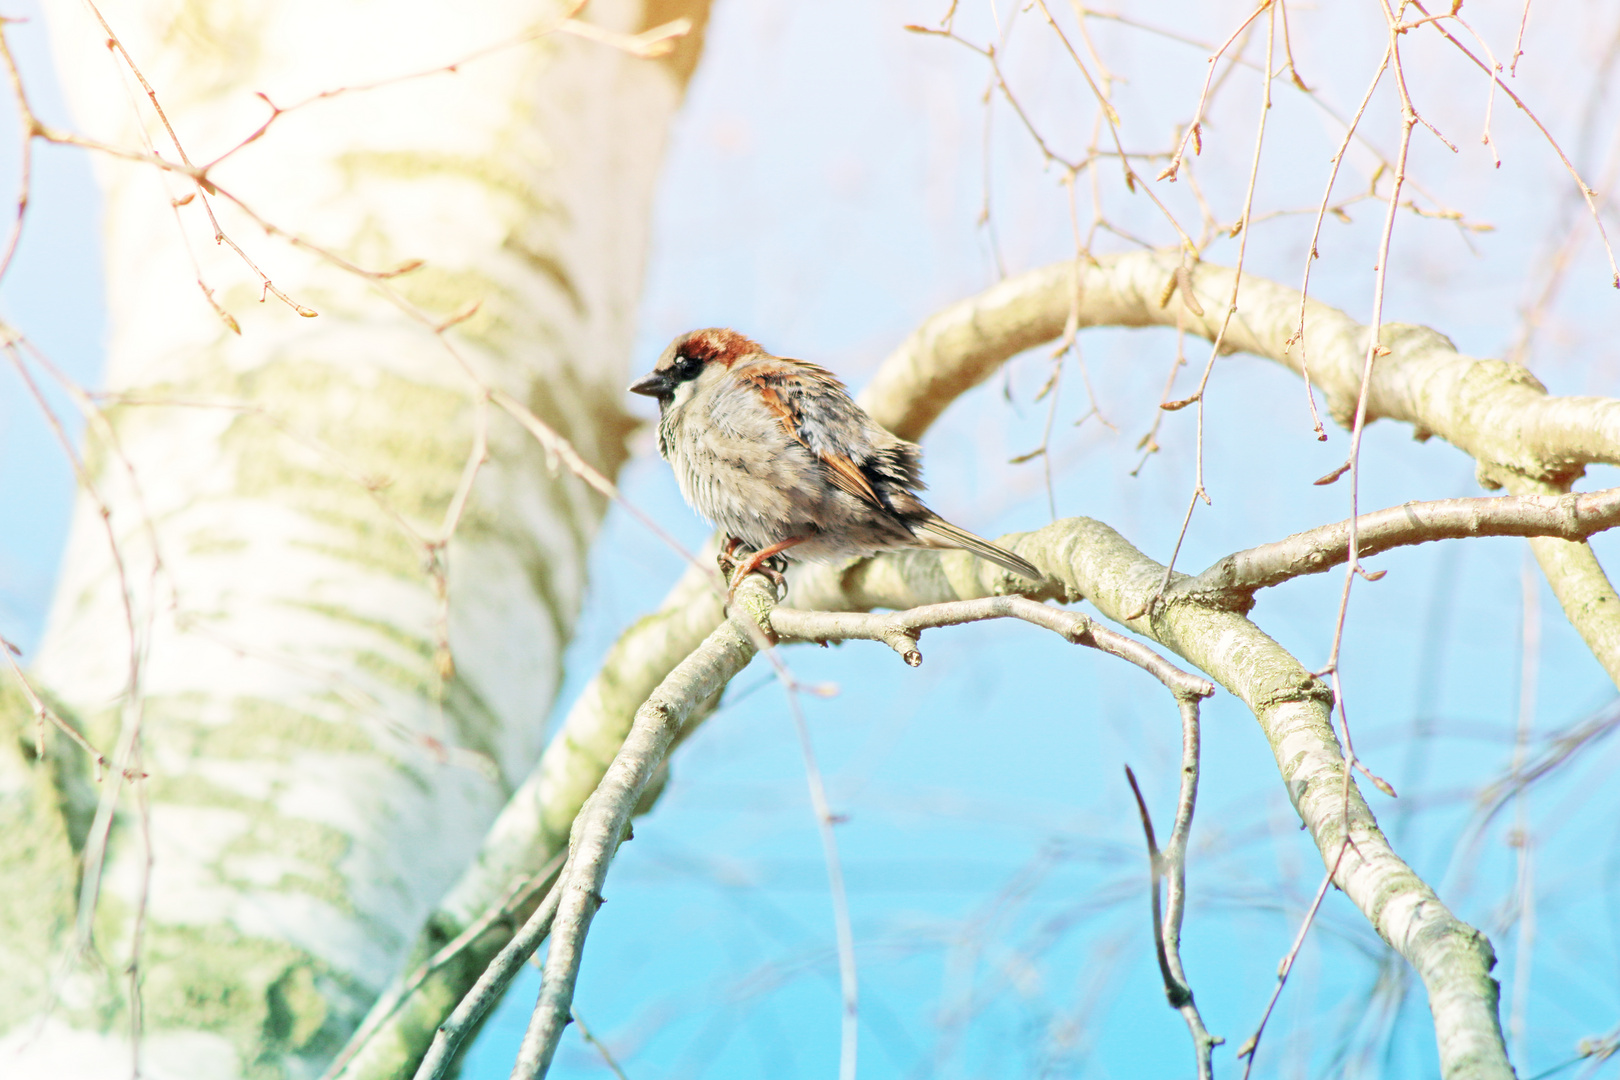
x=132, y=708
x=1252, y=1043
x=1559, y=749
x=1240, y=229
x=25, y=156
x=1518, y=42
x=489, y=987
x=1108, y=114
x=843, y=929
x=143, y=893
x=1524, y=885
x=1586, y=191
x=900, y=630
x=1311, y=253
x=1194, y=128
x=44, y=714
x=1173, y=989
x=1374, y=349
x=597, y=1044
x=1171, y=864
x=516, y=897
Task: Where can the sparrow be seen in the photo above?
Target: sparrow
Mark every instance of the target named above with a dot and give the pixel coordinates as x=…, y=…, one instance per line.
x=776, y=454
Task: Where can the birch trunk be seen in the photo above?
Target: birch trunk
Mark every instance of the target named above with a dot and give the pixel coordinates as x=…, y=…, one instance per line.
x=268, y=645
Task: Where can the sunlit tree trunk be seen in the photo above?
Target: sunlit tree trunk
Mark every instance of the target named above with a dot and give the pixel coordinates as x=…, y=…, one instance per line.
x=323, y=743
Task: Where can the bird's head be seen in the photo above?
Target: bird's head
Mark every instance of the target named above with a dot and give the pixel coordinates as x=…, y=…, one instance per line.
x=690, y=358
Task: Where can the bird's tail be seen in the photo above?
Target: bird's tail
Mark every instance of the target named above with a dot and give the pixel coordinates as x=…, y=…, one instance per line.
x=949, y=535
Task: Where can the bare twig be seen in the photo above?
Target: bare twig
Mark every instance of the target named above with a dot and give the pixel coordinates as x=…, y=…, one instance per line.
x=1312, y=254
x=1184, y=278
x=1252, y=1043
x=44, y=714
x=132, y=708
x=1518, y=42
x=1374, y=348
x=843, y=928
x=1193, y=129
x=1171, y=864
x=1586, y=191
x=516, y=898
x=488, y=989
x=600, y=1047
x=25, y=156
x=1518, y=838
x=901, y=629
x=1558, y=750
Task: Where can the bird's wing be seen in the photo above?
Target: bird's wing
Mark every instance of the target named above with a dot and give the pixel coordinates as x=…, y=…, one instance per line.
x=817, y=412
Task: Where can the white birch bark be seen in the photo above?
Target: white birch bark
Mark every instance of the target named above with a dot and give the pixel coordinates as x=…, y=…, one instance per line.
x=291, y=698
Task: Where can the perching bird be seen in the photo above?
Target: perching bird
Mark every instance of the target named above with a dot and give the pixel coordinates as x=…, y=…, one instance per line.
x=778, y=455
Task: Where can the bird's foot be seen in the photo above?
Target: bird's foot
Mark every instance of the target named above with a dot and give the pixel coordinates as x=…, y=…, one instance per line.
x=769, y=562
x=726, y=558
x=774, y=568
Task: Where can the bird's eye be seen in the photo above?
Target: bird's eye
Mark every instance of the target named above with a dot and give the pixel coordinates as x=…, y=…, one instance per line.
x=687, y=367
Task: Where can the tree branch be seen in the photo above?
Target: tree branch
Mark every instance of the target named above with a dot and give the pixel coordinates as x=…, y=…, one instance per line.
x=1234, y=580
x=1175, y=874
x=1087, y=559
x=605, y=818
x=1495, y=411
x=488, y=989
x=1171, y=864
x=1583, y=589
x=517, y=898
x=533, y=826
x=900, y=630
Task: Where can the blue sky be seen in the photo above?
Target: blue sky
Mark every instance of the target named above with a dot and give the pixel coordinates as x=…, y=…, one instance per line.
x=822, y=194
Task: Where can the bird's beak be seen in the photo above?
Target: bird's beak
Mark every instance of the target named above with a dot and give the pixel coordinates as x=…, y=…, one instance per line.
x=654, y=384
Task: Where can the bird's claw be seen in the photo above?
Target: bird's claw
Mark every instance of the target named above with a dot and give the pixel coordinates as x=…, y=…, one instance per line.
x=726, y=558
x=774, y=568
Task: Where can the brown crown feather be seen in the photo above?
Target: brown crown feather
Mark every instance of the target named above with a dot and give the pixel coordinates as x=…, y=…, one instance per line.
x=718, y=345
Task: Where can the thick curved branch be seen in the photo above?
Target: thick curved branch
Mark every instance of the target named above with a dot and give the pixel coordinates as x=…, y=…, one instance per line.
x=965, y=344
x=1087, y=559
x=1495, y=411
x=1234, y=580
